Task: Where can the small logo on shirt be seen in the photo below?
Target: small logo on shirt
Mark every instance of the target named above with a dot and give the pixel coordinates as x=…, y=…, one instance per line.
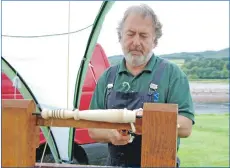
x=126, y=86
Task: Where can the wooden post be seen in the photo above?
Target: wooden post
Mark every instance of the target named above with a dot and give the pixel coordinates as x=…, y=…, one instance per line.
x=20, y=135
x=159, y=135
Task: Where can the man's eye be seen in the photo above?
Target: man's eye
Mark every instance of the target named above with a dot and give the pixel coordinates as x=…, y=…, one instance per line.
x=143, y=36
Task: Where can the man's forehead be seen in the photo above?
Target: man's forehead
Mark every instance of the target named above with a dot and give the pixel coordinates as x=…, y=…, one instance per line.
x=137, y=21
x=134, y=15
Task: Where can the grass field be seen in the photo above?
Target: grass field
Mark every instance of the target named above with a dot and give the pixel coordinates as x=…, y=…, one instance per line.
x=209, y=143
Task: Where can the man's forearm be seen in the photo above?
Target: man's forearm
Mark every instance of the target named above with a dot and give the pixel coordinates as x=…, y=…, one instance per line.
x=100, y=135
x=185, y=128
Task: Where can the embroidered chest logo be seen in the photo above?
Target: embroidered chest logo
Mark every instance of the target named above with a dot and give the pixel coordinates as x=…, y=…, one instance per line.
x=126, y=86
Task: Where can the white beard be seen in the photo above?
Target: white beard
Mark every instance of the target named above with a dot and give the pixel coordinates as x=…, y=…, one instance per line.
x=136, y=61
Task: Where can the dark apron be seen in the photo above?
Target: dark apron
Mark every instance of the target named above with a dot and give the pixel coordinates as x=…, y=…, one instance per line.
x=127, y=155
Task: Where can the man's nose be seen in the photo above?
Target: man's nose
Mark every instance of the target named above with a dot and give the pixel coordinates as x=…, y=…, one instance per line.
x=136, y=40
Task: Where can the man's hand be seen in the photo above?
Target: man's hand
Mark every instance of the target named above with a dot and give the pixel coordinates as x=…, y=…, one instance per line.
x=116, y=138
x=185, y=128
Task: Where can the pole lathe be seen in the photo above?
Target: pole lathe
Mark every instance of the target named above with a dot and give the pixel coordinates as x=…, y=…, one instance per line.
x=20, y=130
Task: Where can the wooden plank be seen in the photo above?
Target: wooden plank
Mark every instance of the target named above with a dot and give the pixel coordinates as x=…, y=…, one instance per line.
x=159, y=135
x=20, y=135
x=86, y=124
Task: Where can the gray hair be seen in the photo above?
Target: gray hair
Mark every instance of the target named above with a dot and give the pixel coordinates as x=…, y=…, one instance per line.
x=145, y=11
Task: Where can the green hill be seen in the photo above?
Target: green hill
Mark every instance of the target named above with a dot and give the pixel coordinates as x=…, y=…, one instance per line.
x=224, y=53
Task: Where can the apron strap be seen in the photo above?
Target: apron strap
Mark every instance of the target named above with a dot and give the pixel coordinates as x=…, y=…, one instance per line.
x=156, y=80
x=159, y=73
x=110, y=81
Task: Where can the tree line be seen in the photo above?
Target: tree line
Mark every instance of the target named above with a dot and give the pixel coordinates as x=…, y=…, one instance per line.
x=206, y=68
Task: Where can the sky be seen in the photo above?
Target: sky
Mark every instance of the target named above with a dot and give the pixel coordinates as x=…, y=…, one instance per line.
x=187, y=26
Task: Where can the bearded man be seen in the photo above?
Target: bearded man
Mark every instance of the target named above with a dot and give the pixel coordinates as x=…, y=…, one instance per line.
x=140, y=77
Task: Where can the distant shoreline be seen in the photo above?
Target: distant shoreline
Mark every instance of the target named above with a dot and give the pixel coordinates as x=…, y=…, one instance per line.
x=209, y=92
x=210, y=97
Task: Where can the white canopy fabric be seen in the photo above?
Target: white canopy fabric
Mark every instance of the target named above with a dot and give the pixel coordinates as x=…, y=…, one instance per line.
x=44, y=43
x=45, y=61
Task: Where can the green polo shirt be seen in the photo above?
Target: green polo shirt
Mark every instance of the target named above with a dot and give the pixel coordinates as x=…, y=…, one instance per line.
x=173, y=86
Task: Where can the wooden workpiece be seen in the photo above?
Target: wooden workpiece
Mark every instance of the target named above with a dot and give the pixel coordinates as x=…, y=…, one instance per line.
x=20, y=133
x=159, y=135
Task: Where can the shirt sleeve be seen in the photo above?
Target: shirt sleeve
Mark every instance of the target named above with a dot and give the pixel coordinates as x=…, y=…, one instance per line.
x=179, y=93
x=97, y=101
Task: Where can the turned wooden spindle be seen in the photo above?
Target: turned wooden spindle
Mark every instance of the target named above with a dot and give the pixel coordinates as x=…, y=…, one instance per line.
x=108, y=115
